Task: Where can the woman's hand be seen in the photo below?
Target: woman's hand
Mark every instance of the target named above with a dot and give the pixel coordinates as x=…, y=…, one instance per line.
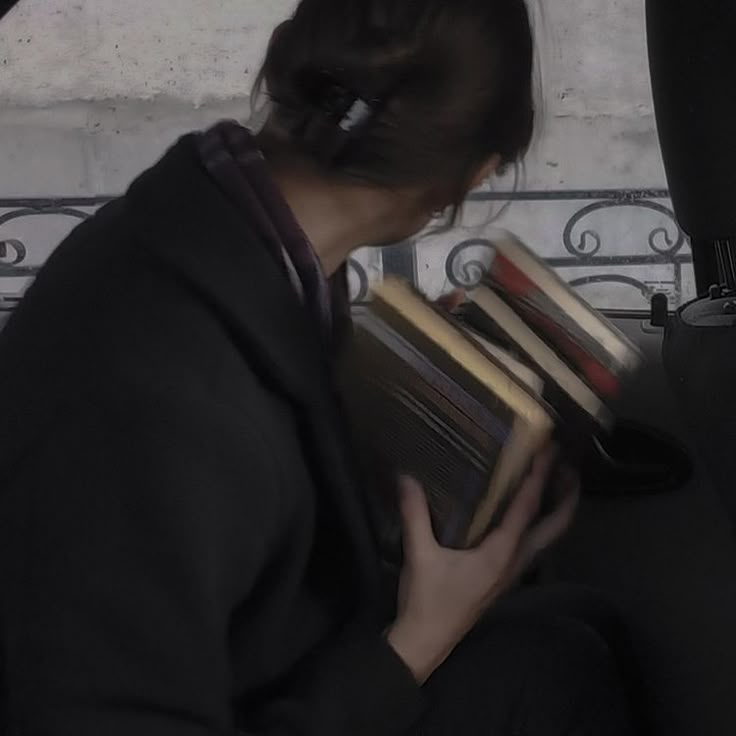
x=443, y=593
x=450, y=302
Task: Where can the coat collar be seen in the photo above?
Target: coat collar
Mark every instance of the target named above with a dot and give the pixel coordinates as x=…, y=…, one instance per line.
x=181, y=216
x=184, y=218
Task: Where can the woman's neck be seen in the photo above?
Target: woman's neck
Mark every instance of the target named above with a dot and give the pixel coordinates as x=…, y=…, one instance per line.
x=338, y=217
x=327, y=219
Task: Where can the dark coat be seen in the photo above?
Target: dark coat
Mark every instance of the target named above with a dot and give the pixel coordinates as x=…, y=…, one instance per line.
x=185, y=549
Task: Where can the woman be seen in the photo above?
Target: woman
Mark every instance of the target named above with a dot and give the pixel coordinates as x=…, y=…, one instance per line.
x=187, y=550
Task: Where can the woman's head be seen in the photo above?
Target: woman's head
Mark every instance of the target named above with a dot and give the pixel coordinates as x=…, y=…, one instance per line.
x=429, y=95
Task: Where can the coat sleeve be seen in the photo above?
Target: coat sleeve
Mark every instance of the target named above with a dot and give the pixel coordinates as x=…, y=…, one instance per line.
x=134, y=529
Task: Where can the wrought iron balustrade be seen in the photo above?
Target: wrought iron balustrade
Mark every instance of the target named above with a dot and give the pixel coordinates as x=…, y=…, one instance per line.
x=581, y=236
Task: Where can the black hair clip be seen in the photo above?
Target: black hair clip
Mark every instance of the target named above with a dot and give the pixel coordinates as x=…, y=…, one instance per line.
x=335, y=114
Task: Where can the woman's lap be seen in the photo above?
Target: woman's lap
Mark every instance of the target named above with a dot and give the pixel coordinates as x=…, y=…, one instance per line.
x=542, y=664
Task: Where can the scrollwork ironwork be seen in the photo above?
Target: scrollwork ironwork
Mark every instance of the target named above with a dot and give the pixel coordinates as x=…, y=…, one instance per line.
x=612, y=278
x=465, y=274
x=355, y=268
x=17, y=248
x=666, y=244
x=16, y=267
x=583, y=245
x=38, y=211
x=580, y=248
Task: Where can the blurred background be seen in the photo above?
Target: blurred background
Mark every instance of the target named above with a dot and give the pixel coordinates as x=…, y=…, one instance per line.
x=93, y=91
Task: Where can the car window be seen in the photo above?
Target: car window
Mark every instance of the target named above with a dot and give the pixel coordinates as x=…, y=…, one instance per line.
x=592, y=197
x=92, y=92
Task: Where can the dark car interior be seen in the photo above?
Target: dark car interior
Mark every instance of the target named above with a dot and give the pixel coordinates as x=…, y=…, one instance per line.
x=657, y=527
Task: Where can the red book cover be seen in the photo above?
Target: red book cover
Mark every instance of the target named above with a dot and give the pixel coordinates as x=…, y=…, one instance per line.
x=572, y=343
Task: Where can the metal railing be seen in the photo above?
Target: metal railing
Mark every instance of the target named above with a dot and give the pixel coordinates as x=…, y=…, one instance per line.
x=580, y=249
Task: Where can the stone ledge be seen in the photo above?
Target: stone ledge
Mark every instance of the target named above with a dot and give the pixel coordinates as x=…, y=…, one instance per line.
x=87, y=149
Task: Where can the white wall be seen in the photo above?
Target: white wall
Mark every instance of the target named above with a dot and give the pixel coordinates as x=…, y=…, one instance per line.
x=86, y=63
x=189, y=50
x=203, y=50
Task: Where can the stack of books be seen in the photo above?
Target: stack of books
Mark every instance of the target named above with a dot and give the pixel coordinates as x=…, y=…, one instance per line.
x=463, y=402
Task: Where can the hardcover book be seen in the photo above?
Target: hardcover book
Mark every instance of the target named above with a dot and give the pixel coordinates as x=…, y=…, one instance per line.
x=464, y=402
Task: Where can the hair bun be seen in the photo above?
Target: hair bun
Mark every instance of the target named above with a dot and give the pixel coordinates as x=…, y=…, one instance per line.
x=335, y=114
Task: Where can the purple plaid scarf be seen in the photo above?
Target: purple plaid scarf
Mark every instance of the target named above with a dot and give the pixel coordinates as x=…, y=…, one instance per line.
x=231, y=155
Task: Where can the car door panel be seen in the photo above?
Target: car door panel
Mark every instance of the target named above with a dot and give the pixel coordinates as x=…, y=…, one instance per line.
x=668, y=559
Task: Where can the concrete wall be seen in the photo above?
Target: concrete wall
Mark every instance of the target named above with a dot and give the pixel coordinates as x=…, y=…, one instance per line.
x=106, y=68
x=92, y=91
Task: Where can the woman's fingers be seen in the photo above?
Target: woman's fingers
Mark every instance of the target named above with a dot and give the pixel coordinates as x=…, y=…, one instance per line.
x=452, y=301
x=518, y=541
x=527, y=502
x=416, y=519
x=548, y=531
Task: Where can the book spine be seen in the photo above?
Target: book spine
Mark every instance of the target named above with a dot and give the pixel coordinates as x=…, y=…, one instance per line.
x=413, y=419
x=559, y=330
x=444, y=363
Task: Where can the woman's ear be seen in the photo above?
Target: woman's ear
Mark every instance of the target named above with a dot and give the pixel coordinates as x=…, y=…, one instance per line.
x=486, y=171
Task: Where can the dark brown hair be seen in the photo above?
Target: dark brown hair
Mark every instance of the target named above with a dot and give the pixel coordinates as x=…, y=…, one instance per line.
x=430, y=89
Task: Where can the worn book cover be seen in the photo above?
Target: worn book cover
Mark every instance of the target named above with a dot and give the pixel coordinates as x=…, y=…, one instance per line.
x=564, y=388
x=463, y=404
x=426, y=401
x=580, y=335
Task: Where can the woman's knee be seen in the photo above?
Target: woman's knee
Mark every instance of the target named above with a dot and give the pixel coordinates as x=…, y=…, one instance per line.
x=573, y=682
x=535, y=675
